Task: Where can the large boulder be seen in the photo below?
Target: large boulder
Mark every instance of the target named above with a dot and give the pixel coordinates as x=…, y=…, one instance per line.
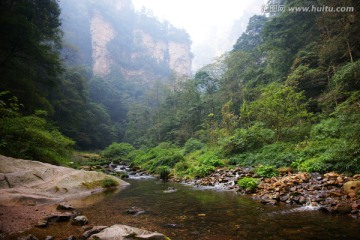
x=351, y=187
x=122, y=232
x=30, y=182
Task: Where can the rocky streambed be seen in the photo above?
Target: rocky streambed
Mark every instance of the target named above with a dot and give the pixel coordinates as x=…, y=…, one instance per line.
x=119, y=169
x=182, y=212
x=330, y=192
x=73, y=225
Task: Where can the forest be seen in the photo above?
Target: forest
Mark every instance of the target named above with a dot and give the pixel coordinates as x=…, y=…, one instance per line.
x=286, y=95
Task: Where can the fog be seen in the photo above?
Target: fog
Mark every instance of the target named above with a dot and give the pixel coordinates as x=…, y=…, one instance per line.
x=214, y=25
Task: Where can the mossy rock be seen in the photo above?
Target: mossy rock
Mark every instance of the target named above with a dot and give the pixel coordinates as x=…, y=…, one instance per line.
x=351, y=187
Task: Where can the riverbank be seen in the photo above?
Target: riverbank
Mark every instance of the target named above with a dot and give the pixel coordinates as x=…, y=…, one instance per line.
x=330, y=192
x=30, y=190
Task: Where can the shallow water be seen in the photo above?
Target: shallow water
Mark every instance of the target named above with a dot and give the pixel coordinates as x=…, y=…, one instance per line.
x=207, y=214
x=190, y=213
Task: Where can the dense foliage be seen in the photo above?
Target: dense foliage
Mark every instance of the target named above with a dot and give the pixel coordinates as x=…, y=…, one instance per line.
x=30, y=136
x=288, y=94
x=117, y=151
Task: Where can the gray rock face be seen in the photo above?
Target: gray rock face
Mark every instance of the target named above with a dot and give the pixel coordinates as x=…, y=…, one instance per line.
x=124, y=232
x=22, y=181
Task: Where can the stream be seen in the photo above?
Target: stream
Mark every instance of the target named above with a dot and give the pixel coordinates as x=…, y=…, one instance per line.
x=191, y=213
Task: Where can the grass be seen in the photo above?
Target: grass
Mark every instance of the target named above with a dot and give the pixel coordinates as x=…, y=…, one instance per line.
x=87, y=159
x=104, y=183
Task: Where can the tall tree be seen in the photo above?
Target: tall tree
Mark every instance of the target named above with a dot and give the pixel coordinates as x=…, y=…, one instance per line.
x=29, y=60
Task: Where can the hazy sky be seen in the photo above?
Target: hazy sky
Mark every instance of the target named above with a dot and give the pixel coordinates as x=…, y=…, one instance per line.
x=200, y=17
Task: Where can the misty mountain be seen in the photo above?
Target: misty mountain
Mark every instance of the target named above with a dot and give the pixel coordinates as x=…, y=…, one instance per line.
x=110, y=38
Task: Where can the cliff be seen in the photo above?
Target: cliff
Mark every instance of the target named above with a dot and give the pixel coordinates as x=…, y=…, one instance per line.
x=111, y=38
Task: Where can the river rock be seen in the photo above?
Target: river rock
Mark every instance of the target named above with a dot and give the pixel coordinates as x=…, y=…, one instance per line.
x=92, y=231
x=171, y=225
x=65, y=206
x=170, y=190
x=351, y=187
x=3, y=181
x=42, y=224
x=302, y=200
x=29, y=237
x=343, y=208
x=60, y=217
x=123, y=232
x=352, y=194
x=331, y=175
x=49, y=238
x=356, y=177
x=135, y=211
x=79, y=221
x=339, y=180
x=285, y=170
x=268, y=201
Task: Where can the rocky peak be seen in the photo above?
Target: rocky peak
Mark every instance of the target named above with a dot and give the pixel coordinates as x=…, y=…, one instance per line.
x=180, y=58
x=102, y=33
x=121, y=41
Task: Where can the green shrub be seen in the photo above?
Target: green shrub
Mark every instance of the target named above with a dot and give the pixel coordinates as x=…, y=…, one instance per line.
x=277, y=154
x=192, y=145
x=329, y=155
x=181, y=167
x=247, y=183
x=32, y=137
x=200, y=171
x=117, y=151
x=210, y=158
x=249, y=139
x=163, y=155
x=266, y=171
x=104, y=183
x=200, y=163
x=316, y=164
x=233, y=161
x=135, y=154
x=108, y=182
x=164, y=172
x=87, y=159
x=328, y=128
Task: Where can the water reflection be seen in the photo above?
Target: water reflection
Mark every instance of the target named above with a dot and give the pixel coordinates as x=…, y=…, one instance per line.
x=192, y=214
